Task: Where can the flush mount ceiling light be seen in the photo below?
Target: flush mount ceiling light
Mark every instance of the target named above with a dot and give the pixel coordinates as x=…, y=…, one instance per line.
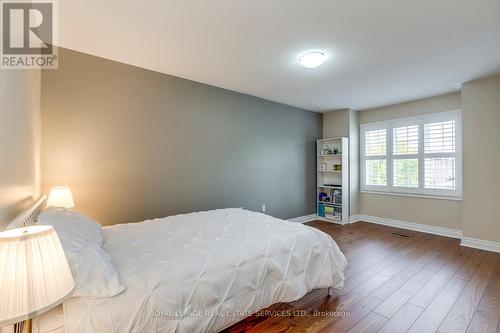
x=312, y=59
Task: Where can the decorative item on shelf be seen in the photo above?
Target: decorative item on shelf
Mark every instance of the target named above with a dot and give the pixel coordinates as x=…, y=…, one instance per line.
x=329, y=212
x=337, y=212
x=324, y=166
x=337, y=167
x=336, y=195
x=35, y=277
x=321, y=210
x=60, y=196
x=327, y=151
x=335, y=151
x=333, y=213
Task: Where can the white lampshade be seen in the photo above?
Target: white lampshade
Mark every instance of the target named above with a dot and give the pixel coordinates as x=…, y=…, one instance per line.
x=61, y=196
x=34, y=273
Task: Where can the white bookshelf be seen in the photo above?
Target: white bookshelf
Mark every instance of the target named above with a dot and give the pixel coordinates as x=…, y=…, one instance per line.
x=332, y=179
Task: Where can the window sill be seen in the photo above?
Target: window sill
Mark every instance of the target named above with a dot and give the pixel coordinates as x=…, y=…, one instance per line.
x=411, y=195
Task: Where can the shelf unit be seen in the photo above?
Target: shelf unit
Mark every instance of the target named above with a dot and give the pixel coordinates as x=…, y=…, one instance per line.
x=332, y=178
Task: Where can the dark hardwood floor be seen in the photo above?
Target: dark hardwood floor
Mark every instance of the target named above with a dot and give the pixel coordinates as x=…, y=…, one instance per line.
x=423, y=283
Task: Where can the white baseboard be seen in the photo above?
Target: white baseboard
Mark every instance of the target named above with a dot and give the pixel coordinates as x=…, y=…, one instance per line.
x=453, y=233
x=447, y=232
x=303, y=219
x=355, y=218
x=480, y=244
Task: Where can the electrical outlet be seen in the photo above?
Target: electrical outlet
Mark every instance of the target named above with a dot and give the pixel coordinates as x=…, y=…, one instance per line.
x=263, y=208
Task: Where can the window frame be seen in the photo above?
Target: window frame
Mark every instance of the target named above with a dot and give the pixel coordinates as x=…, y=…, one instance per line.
x=420, y=191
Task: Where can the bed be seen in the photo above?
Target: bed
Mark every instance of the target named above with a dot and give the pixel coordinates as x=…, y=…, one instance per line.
x=202, y=272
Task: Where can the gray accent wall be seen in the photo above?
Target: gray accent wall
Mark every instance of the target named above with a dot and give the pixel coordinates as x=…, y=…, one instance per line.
x=135, y=144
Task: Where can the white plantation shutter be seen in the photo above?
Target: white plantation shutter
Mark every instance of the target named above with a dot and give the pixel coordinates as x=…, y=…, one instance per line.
x=376, y=172
x=440, y=173
x=376, y=143
x=405, y=140
x=375, y=149
x=405, y=172
x=405, y=153
x=439, y=137
x=440, y=159
x=417, y=155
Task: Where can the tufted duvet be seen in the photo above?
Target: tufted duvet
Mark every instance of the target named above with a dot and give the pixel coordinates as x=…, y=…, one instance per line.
x=202, y=272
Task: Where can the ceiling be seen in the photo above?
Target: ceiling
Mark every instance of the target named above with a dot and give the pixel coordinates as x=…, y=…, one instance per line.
x=381, y=52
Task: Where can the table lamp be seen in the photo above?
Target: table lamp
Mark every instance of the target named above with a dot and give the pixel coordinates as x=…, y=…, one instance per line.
x=60, y=196
x=34, y=274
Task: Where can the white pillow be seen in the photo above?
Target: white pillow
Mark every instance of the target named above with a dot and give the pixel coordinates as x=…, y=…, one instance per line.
x=81, y=238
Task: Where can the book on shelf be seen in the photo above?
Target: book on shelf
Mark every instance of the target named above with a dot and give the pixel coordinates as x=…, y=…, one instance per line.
x=330, y=212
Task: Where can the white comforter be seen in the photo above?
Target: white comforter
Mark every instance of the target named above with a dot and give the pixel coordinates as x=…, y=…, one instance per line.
x=202, y=272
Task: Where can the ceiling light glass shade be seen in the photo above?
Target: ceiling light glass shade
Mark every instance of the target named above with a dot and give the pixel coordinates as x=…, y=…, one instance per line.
x=34, y=273
x=61, y=197
x=312, y=59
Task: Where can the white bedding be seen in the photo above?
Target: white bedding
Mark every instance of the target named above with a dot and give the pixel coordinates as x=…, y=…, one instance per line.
x=49, y=322
x=202, y=272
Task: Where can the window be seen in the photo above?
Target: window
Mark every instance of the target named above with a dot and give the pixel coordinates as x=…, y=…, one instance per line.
x=418, y=155
x=376, y=164
x=405, y=156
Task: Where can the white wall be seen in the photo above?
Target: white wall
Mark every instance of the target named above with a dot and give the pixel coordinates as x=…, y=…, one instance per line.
x=481, y=159
x=345, y=123
x=336, y=124
x=353, y=162
x=19, y=140
x=434, y=212
x=478, y=214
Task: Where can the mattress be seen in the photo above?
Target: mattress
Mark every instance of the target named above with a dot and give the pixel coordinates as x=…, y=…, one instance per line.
x=204, y=271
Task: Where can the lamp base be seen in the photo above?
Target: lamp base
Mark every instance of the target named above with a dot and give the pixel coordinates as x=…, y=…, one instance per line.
x=27, y=326
x=23, y=327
